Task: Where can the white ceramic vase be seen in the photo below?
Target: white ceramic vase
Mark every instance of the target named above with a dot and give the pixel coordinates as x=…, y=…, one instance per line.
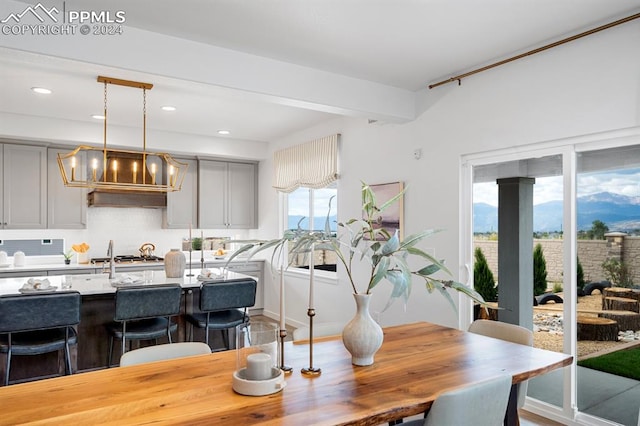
x=174, y=264
x=362, y=336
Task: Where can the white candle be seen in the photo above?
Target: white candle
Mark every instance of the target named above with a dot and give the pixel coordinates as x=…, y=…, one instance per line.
x=115, y=170
x=282, y=326
x=153, y=173
x=94, y=166
x=135, y=171
x=311, y=271
x=73, y=168
x=258, y=366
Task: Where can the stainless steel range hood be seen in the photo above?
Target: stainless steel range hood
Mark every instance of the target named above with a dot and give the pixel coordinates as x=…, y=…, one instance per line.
x=112, y=198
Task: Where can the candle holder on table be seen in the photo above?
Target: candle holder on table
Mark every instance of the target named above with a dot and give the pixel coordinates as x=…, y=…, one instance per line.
x=256, y=371
x=283, y=366
x=311, y=370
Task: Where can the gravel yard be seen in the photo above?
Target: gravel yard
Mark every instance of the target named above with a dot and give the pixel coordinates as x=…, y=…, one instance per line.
x=548, y=334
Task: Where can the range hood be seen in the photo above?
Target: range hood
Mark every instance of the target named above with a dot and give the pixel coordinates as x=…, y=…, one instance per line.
x=113, y=198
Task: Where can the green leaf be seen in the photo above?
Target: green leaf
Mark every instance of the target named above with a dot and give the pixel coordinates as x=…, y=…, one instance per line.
x=429, y=270
x=392, y=245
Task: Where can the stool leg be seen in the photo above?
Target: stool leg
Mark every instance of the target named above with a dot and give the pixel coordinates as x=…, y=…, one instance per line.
x=110, y=356
x=8, y=369
x=225, y=338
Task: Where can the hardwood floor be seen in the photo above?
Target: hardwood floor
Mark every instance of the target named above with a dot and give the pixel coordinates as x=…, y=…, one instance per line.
x=530, y=419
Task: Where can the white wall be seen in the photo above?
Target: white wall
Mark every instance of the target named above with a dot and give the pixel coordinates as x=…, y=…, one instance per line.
x=588, y=86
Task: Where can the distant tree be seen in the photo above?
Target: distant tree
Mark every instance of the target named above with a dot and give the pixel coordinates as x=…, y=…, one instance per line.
x=598, y=229
x=580, y=275
x=483, y=281
x=539, y=271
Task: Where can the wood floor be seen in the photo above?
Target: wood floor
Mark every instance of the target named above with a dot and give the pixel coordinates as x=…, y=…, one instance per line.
x=530, y=419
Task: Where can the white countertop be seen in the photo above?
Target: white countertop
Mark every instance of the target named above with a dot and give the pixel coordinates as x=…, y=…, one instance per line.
x=101, y=284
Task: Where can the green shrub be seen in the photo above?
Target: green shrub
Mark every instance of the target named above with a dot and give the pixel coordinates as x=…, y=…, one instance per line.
x=580, y=275
x=619, y=273
x=557, y=287
x=539, y=271
x=483, y=281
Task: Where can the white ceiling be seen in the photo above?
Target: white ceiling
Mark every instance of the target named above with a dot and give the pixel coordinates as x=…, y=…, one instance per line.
x=401, y=46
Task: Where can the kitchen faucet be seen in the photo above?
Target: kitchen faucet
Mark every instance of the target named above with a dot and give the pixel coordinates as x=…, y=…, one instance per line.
x=112, y=265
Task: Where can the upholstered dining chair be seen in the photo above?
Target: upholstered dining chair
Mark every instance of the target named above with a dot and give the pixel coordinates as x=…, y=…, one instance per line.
x=511, y=333
x=34, y=324
x=481, y=404
x=143, y=313
x=162, y=352
x=223, y=305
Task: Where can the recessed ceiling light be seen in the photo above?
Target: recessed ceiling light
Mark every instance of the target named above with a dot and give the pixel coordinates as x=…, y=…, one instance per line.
x=98, y=116
x=224, y=132
x=168, y=108
x=41, y=90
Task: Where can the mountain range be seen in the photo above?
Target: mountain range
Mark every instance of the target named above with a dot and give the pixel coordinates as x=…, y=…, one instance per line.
x=618, y=212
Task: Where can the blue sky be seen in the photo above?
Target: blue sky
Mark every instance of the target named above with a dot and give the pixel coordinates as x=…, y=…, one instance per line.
x=624, y=182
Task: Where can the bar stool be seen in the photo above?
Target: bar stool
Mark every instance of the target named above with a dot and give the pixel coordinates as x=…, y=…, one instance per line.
x=34, y=324
x=144, y=313
x=223, y=305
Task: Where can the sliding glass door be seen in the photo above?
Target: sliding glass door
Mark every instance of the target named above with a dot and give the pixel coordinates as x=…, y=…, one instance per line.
x=586, y=238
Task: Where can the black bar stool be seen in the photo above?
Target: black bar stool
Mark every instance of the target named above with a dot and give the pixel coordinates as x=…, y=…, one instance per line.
x=144, y=313
x=34, y=324
x=223, y=305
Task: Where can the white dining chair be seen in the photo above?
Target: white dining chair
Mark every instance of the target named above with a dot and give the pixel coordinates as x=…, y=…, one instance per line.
x=163, y=352
x=319, y=330
x=481, y=404
x=511, y=333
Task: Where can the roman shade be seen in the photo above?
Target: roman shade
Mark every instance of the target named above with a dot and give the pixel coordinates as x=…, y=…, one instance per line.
x=311, y=165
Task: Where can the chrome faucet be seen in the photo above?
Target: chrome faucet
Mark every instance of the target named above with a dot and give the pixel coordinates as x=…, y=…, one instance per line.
x=112, y=265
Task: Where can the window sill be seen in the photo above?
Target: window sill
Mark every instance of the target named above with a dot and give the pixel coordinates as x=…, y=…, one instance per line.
x=325, y=277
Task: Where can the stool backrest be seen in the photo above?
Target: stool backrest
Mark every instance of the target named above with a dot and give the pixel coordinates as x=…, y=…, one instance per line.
x=28, y=312
x=223, y=295
x=150, y=301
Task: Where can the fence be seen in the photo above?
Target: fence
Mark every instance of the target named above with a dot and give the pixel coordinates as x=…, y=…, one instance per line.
x=590, y=252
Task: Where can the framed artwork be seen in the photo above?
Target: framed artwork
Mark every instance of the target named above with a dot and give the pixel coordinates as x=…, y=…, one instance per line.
x=392, y=217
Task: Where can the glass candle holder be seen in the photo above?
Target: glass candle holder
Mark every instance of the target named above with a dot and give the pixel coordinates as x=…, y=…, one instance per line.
x=257, y=371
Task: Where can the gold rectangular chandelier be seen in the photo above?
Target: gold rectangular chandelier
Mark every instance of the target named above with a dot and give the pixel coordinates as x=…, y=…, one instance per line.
x=122, y=170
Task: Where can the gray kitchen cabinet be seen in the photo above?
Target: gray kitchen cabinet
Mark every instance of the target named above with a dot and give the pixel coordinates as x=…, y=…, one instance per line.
x=182, y=206
x=227, y=195
x=66, y=207
x=24, y=187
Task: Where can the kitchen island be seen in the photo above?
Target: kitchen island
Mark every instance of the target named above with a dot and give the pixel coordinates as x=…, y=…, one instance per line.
x=98, y=303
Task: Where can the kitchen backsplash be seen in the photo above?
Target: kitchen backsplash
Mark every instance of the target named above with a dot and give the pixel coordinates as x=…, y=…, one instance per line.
x=129, y=228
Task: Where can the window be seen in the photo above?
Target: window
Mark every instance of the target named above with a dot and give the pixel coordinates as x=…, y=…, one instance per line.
x=308, y=209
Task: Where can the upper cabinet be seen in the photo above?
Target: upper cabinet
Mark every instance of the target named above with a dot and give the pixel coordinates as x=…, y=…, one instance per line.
x=24, y=187
x=227, y=194
x=182, y=206
x=66, y=207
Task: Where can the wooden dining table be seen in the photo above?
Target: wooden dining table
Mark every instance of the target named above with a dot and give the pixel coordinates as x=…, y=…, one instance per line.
x=415, y=363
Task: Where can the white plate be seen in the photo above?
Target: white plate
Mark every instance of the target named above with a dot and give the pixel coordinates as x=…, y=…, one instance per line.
x=37, y=290
x=4, y=265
